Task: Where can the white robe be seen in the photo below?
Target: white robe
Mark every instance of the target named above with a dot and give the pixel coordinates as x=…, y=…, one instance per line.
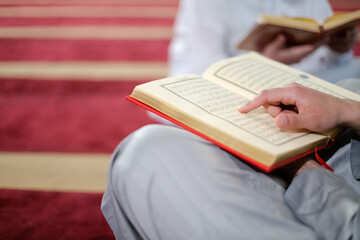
x=206, y=31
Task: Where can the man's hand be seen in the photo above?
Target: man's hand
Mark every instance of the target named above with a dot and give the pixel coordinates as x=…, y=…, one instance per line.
x=278, y=51
x=343, y=41
x=292, y=170
x=315, y=111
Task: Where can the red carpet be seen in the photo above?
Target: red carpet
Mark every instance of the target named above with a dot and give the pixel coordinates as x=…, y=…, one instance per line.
x=84, y=21
x=51, y=215
x=66, y=116
x=91, y=50
x=69, y=116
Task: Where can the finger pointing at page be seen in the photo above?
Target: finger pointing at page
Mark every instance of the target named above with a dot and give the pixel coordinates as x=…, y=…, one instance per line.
x=316, y=111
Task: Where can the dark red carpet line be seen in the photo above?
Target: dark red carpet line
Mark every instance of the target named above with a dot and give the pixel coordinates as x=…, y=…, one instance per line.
x=66, y=116
x=83, y=49
x=345, y=5
x=92, y=4
x=142, y=3
x=35, y=215
x=56, y=21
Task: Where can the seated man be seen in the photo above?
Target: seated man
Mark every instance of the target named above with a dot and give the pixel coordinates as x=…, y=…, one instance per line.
x=167, y=183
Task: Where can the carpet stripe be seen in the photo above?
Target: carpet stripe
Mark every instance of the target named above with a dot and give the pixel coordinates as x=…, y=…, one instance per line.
x=87, y=32
x=54, y=171
x=88, y=2
x=83, y=70
x=34, y=215
x=67, y=116
x=89, y=50
x=13, y=21
x=349, y=5
x=83, y=49
x=86, y=11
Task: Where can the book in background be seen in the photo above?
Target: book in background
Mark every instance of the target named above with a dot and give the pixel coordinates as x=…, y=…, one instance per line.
x=297, y=30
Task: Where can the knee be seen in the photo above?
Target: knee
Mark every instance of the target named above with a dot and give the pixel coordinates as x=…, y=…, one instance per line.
x=153, y=133
x=143, y=147
x=141, y=156
x=159, y=137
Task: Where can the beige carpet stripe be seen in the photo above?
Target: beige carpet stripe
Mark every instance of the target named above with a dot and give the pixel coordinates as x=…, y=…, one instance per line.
x=88, y=11
x=87, y=32
x=87, y=2
x=95, y=71
x=54, y=171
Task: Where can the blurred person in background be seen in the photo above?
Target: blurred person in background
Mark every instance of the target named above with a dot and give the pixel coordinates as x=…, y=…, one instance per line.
x=207, y=31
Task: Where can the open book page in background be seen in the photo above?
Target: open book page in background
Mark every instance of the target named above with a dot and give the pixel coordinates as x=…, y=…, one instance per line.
x=341, y=20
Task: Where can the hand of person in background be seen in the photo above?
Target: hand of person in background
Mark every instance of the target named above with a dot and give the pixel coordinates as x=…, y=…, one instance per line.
x=279, y=51
x=344, y=40
x=315, y=111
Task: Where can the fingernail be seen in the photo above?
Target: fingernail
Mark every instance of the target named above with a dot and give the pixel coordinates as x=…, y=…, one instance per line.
x=241, y=108
x=282, y=121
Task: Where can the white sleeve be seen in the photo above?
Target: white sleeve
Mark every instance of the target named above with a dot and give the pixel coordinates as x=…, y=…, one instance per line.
x=199, y=36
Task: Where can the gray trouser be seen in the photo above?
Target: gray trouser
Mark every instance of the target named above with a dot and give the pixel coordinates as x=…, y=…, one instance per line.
x=196, y=191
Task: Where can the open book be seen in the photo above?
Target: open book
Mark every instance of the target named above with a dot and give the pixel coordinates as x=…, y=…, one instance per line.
x=296, y=30
x=207, y=105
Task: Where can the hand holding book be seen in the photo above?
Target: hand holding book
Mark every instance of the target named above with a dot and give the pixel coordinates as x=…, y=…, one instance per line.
x=343, y=40
x=339, y=28
x=279, y=51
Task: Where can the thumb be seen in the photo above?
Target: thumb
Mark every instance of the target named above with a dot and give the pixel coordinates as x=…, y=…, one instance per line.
x=290, y=121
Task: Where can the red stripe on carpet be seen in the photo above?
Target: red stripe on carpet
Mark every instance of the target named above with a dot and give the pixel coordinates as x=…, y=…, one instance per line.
x=37, y=215
x=357, y=50
x=89, y=2
x=66, y=116
x=89, y=5
x=85, y=21
x=89, y=50
x=341, y=5
x=83, y=49
x=344, y=9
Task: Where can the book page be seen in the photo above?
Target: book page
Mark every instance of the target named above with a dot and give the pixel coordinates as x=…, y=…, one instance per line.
x=306, y=24
x=252, y=73
x=212, y=110
x=338, y=20
x=223, y=104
